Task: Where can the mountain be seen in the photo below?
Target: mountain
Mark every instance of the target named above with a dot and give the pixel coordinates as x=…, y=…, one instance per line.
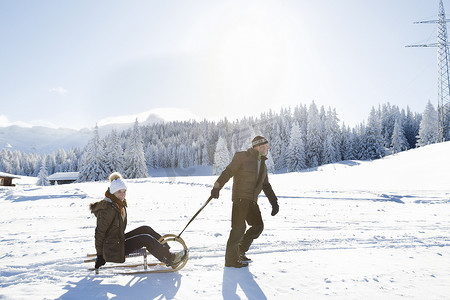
x=45, y=140
x=42, y=140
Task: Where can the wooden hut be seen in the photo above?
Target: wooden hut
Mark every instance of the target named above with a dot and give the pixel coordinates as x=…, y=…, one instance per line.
x=6, y=179
x=63, y=177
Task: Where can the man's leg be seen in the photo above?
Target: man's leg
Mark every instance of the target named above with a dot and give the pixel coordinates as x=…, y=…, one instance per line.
x=253, y=219
x=238, y=216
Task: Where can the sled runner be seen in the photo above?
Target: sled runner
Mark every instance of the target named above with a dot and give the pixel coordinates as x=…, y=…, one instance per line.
x=144, y=253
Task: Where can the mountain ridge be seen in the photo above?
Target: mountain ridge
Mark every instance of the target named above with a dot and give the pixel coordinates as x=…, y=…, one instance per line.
x=45, y=140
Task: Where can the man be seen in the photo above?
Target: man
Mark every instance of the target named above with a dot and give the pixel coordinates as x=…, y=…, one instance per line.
x=249, y=174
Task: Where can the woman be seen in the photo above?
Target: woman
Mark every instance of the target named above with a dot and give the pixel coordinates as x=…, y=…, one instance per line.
x=111, y=241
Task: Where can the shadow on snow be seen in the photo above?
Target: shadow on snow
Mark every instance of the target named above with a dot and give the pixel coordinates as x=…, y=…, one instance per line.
x=163, y=286
x=242, y=277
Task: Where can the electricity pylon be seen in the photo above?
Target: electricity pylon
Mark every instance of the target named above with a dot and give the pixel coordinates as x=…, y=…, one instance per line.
x=443, y=74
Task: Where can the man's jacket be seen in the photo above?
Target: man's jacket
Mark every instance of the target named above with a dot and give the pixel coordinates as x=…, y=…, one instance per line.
x=247, y=182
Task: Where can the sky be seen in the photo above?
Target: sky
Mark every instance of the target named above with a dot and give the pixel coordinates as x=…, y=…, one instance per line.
x=75, y=64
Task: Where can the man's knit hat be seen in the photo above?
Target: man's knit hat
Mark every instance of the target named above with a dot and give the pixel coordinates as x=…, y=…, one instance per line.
x=259, y=140
x=116, y=183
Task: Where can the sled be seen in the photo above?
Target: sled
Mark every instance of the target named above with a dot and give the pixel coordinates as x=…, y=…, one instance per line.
x=144, y=253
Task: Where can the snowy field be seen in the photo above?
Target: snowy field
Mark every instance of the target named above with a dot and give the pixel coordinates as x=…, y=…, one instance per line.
x=353, y=230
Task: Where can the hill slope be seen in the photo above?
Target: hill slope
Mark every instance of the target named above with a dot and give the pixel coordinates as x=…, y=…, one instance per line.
x=344, y=231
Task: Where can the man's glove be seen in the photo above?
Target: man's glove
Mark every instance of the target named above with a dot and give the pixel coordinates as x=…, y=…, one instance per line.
x=215, y=193
x=99, y=261
x=275, y=207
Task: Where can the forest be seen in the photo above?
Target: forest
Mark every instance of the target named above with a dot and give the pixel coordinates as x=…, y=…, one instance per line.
x=300, y=138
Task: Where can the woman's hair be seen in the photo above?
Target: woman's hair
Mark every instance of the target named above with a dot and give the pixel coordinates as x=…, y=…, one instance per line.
x=114, y=176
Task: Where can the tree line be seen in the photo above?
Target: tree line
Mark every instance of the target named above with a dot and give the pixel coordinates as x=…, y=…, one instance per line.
x=300, y=138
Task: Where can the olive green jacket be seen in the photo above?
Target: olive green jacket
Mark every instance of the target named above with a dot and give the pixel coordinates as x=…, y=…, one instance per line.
x=110, y=230
x=247, y=182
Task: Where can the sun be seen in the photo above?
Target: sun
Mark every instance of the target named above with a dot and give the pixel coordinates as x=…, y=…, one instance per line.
x=247, y=59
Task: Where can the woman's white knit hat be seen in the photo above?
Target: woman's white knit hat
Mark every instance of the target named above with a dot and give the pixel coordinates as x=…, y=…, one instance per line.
x=117, y=184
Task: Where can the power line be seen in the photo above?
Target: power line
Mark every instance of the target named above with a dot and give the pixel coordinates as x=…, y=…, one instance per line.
x=443, y=73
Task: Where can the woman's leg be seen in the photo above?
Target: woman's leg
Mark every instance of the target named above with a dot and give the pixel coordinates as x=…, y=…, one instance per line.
x=146, y=237
x=143, y=230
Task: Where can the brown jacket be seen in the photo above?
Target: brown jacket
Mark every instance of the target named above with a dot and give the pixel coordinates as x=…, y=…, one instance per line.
x=110, y=230
x=247, y=184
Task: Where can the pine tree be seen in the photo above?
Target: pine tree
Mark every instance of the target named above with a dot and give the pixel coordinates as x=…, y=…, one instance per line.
x=314, y=137
x=428, y=131
x=114, y=160
x=151, y=155
x=373, y=137
x=269, y=163
x=399, y=142
x=331, y=148
x=43, y=177
x=276, y=147
x=411, y=127
x=93, y=161
x=285, y=129
x=329, y=152
x=347, y=151
x=359, y=142
x=60, y=159
x=221, y=157
x=135, y=165
x=295, y=157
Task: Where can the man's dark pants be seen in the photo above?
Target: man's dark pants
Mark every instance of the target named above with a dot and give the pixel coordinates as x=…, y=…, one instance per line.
x=239, y=240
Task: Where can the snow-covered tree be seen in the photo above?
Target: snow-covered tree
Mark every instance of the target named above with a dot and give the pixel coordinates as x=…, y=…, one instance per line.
x=331, y=149
x=151, y=156
x=276, y=147
x=93, y=161
x=314, y=137
x=347, y=151
x=373, y=137
x=399, y=142
x=43, y=177
x=114, y=159
x=296, y=158
x=411, y=127
x=221, y=156
x=285, y=130
x=269, y=163
x=135, y=165
x=386, y=117
x=428, y=131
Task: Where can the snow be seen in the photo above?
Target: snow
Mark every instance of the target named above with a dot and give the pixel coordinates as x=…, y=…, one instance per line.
x=3, y=174
x=64, y=176
x=351, y=230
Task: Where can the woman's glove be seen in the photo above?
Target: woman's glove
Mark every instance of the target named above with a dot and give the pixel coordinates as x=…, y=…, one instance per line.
x=99, y=261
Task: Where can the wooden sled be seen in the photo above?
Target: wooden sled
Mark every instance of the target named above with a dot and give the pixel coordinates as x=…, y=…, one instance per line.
x=144, y=253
